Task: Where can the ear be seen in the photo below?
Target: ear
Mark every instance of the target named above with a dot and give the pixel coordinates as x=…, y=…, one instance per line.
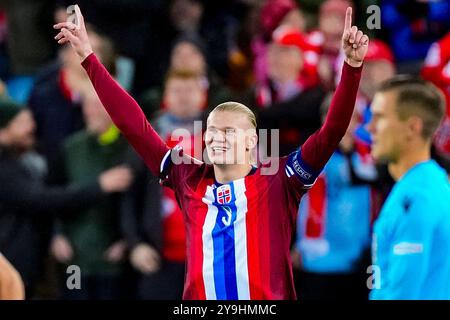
x=252, y=141
x=414, y=126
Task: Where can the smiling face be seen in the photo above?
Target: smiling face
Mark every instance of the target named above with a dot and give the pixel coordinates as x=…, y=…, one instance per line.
x=230, y=138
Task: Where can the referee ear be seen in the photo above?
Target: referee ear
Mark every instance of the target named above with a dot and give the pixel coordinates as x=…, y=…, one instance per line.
x=414, y=126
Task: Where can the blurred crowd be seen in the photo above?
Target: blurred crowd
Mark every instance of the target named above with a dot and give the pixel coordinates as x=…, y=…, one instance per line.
x=73, y=192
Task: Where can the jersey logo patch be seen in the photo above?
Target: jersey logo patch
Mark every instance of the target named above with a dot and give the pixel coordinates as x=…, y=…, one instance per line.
x=301, y=172
x=406, y=204
x=224, y=194
x=227, y=220
x=296, y=166
x=406, y=248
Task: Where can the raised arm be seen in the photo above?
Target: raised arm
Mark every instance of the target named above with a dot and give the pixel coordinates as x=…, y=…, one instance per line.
x=123, y=109
x=319, y=147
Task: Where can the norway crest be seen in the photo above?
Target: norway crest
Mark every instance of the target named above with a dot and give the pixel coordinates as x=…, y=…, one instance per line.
x=224, y=194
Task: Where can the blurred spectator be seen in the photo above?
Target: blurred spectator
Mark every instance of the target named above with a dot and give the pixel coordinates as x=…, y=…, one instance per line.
x=333, y=234
x=213, y=21
x=379, y=65
x=289, y=100
x=30, y=32
x=412, y=27
x=186, y=15
x=152, y=219
x=55, y=97
x=329, y=37
x=280, y=12
x=188, y=54
x=138, y=27
x=26, y=204
x=437, y=70
x=91, y=238
x=240, y=60
x=28, y=43
x=273, y=13
x=330, y=20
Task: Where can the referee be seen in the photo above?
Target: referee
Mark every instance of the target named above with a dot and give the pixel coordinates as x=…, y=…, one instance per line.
x=411, y=244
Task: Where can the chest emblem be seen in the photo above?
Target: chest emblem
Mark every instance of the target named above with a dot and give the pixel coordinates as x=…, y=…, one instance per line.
x=224, y=194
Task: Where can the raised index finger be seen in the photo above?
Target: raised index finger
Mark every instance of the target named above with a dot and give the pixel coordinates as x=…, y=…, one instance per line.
x=348, y=18
x=80, y=20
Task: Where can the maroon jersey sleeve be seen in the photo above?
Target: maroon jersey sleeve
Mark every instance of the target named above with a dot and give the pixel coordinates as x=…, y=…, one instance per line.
x=176, y=167
x=305, y=164
x=126, y=115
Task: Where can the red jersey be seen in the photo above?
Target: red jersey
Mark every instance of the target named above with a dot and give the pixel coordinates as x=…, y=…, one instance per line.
x=238, y=234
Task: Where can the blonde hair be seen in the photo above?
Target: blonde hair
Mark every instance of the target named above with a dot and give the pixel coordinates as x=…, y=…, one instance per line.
x=232, y=106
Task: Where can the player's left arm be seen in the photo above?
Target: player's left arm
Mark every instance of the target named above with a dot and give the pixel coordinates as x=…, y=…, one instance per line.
x=307, y=162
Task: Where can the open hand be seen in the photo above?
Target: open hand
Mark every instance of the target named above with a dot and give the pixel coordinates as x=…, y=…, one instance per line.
x=75, y=34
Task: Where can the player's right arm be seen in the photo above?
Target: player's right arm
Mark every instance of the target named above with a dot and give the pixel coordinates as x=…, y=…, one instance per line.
x=123, y=109
x=307, y=162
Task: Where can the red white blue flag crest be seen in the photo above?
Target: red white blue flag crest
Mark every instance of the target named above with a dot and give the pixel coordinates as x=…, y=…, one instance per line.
x=224, y=194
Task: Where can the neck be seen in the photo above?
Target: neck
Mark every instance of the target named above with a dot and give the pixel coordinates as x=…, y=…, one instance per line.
x=230, y=172
x=409, y=159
